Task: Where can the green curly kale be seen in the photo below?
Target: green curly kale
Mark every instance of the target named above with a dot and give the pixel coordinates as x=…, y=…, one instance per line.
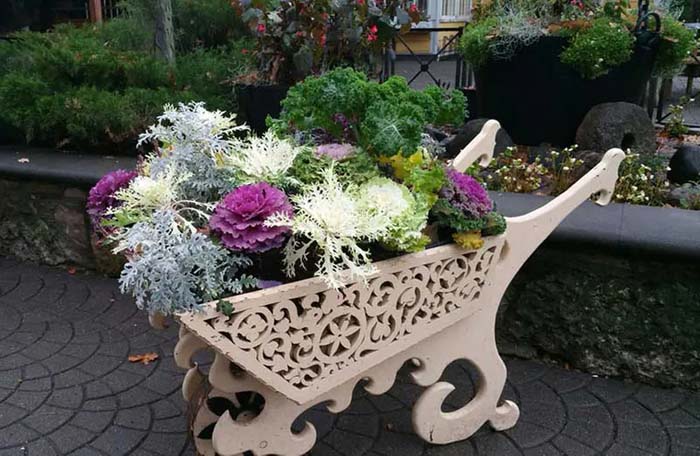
x=495, y=224
x=448, y=216
x=391, y=116
x=389, y=128
x=355, y=169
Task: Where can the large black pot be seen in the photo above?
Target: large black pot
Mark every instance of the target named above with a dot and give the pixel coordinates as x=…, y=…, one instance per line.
x=539, y=99
x=256, y=102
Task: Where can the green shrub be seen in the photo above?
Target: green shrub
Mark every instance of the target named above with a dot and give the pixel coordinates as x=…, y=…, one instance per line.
x=595, y=50
x=677, y=43
x=475, y=40
x=91, y=87
x=206, y=23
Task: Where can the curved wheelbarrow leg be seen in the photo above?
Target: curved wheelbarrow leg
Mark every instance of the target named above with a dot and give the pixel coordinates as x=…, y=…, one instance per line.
x=473, y=338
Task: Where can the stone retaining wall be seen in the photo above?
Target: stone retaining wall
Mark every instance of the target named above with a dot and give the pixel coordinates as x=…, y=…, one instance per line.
x=607, y=313
x=44, y=222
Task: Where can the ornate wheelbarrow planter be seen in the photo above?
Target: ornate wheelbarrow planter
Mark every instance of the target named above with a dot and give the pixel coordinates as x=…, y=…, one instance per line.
x=301, y=344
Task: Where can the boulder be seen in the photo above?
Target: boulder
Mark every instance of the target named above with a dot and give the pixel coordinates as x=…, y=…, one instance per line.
x=455, y=143
x=685, y=165
x=623, y=125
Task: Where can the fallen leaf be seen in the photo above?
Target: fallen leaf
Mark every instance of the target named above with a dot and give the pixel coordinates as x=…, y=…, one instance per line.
x=145, y=358
x=23, y=160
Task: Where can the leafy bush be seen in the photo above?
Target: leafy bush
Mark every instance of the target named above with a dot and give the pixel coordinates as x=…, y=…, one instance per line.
x=476, y=39
x=91, y=87
x=642, y=180
x=595, y=50
x=677, y=43
x=205, y=23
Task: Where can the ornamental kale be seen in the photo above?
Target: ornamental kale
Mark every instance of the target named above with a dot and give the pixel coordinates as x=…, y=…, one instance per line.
x=408, y=215
x=466, y=194
x=266, y=158
x=389, y=128
x=332, y=221
x=239, y=219
x=172, y=270
x=343, y=106
x=356, y=169
x=102, y=196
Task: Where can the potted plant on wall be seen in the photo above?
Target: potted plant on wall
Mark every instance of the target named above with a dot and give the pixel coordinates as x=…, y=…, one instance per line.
x=296, y=38
x=541, y=65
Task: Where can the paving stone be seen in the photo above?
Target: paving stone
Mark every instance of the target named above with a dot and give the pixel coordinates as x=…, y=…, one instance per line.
x=16, y=435
x=651, y=439
x=118, y=440
x=47, y=418
x=69, y=438
x=41, y=447
x=135, y=418
x=93, y=421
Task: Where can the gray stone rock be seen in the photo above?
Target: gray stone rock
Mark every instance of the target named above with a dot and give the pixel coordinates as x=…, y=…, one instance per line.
x=685, y=165
x=623, y=125
x=455, y=143
x=686, y=196
x=435, y=133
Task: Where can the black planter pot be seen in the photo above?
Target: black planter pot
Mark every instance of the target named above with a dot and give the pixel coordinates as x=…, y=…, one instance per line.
x=256, y=102
x=539, y=99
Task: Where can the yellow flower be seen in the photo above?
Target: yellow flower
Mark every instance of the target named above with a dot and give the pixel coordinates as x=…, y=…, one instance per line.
x=470, y=240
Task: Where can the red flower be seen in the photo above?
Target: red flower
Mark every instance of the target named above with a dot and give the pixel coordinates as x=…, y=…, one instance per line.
x=261, y=28
x=413, y=8
x=244, y=51
x=372, y=33
x=360, y=2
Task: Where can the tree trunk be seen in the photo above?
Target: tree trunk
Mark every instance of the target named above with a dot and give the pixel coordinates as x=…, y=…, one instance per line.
x=165, y=36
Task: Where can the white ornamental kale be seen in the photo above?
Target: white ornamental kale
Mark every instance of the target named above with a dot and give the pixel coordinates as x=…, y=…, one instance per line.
x=171, y=270
x=144, y=195
x=407, y=215
x=334, y=219
x=262, y=159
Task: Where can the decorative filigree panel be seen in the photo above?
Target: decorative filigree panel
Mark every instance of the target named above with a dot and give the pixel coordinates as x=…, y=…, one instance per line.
x=307, y=338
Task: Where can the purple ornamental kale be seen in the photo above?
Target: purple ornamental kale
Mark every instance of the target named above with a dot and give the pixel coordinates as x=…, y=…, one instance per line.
x=335, y=151
x=239, y=218
x=466, y=194
x=101, y=196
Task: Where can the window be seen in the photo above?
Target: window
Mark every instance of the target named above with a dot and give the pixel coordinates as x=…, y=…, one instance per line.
x=455, y=9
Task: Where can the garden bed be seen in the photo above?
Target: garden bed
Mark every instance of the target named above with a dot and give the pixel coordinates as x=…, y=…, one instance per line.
x=614, y=291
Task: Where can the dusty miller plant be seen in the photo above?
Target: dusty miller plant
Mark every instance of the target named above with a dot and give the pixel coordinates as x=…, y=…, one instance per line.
x=171, y=269
x=192, y=140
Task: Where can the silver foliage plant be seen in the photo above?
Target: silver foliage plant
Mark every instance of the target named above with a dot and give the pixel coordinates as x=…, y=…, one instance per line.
x=171, y=269
x=192, y=140
x=518, y=27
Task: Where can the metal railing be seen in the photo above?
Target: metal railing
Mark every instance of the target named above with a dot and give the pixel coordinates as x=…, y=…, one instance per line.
x=447, y=51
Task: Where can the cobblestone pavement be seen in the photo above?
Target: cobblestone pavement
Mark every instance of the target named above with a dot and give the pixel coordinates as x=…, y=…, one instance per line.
x=66, y=387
